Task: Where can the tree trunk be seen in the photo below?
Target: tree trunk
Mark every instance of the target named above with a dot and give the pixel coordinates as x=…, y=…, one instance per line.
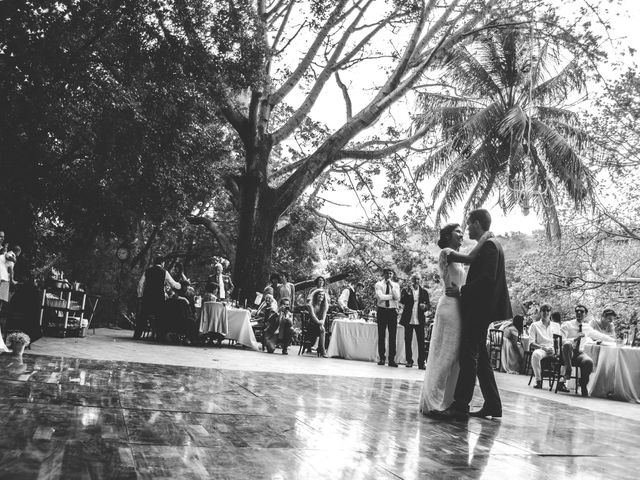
x=257, y=220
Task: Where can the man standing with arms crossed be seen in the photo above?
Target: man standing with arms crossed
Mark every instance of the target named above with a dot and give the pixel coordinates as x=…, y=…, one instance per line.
x=387, y=296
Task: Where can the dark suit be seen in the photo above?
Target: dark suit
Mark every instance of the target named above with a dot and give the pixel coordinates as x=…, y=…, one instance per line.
x=406, y=299
x=484, y=299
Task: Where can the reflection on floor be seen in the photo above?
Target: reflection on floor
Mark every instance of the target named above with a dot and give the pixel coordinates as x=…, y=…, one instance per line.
x=64, y=418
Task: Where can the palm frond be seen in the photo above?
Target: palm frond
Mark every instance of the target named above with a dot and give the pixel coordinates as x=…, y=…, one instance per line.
x=435, y=162
x=571, y=77
x=564, y=163
x=465, y=71
x=514, y=124
x=556, y=113
x=480, y=124
x=480, y=192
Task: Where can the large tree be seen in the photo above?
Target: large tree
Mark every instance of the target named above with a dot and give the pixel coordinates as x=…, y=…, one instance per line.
x=504, y=128
x=296, y=50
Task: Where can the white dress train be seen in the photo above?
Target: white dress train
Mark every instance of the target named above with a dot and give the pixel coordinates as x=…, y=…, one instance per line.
x=3, y=347
x=442, y=370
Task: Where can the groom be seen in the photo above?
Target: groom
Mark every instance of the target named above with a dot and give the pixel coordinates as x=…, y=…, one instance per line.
x=484, y=299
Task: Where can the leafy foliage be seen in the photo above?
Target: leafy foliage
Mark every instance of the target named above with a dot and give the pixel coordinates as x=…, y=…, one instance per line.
x=503, y=131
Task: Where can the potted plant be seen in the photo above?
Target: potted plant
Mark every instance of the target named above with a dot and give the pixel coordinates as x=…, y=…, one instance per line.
x=17, y=341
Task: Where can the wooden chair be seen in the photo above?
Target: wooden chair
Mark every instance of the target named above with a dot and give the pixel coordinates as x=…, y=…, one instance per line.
x=495, y=348
x=427, y=340
x=559, y=372
x=90, y=310
x=306, y=341
x=550, y=366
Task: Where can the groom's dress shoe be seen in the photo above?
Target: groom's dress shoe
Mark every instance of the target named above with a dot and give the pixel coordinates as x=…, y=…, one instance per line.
x=482, y=413
x=449, y=414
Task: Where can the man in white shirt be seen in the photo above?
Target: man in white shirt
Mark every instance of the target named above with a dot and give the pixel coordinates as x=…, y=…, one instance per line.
x=574, y=335
x=387, y=295
x=415, y=302
x=541, y=341
x=606, y=323
x=349, y=300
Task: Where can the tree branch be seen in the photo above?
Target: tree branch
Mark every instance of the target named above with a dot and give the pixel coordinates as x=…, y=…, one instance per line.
x=214, y=228
x=345, y=95
x=292, y=81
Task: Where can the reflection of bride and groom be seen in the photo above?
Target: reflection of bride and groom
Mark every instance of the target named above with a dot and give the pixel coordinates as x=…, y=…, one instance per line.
x=458, y=353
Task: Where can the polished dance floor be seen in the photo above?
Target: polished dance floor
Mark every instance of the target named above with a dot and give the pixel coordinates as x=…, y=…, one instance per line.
x=64, y=418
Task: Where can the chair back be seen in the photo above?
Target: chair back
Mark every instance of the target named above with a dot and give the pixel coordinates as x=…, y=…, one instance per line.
x=427, y=335
x=495, y=337
x=557, y=343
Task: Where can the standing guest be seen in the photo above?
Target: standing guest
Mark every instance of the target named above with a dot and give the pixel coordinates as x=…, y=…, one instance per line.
x=7, y=262
x=574, y=334
x=177, y=272
x=606, y=323
x=3, y=247
x=350, y=300
x=318, y=307
x=274, y=286
x=512, y=350
x=541, y=335
x=222, y=281
x=387, y=294
x=286, y=289
x=415, y=302
x=151, y=291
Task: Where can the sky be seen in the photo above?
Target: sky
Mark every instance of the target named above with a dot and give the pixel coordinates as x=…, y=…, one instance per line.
x=625, y=20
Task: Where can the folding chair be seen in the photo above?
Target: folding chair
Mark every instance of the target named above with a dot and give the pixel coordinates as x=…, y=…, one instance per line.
x=495, y=348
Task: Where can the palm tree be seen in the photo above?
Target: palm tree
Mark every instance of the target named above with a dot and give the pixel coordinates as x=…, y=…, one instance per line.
x=504, y=131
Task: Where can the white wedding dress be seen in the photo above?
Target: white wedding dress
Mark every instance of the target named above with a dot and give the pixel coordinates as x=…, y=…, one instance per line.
x=442, y=369
x=3, y=347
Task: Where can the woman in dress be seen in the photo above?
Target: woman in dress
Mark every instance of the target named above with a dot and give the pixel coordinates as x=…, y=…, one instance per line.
x=512, y=349
x=442, y=370
x=318, y=307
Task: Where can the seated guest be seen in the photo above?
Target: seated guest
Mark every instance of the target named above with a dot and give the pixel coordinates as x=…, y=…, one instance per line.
x=575, y=333
x=606, y=323
x=512, y=350
x=318, y=307
x=274, y=286
x=541, y=335
x=350, y=300
x=278, y=327
x=556, y=318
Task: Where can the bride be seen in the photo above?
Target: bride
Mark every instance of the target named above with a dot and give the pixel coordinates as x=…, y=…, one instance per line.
x=442, y=369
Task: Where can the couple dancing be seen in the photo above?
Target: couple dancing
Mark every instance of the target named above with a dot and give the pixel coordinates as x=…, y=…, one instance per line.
x=458, y=352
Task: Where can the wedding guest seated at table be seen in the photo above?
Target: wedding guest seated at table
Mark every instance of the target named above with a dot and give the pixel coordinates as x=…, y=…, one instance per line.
x=318, y=307
x=575, y=333
x=605, y=324
x=541, y=335
x=350, y=300
x=512, y=349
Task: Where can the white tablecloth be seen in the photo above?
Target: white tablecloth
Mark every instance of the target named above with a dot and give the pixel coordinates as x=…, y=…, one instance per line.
x=240, y=327
x=358, y=340
x=617, y=372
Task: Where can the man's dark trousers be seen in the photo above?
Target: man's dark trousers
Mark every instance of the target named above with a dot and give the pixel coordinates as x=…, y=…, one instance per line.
x=387, y=319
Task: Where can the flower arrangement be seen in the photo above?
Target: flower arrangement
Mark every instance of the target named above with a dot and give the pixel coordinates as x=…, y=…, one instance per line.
x=18, y=338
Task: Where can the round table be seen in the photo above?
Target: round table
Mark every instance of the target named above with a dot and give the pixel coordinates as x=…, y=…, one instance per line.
x=616, y=373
